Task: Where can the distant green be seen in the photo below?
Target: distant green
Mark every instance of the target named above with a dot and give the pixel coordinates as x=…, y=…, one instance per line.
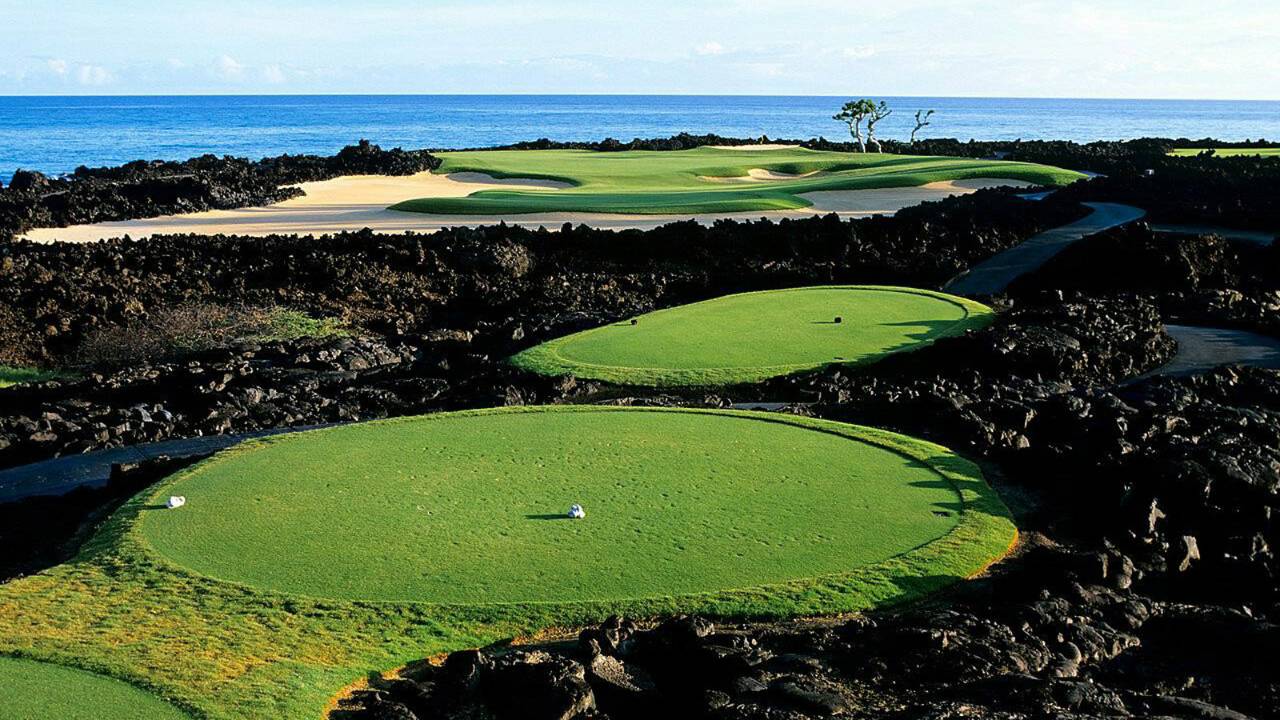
x=750, y=337
x=10, y=376
x=431, y=534
x=31, y=690
x=673, y=182
x=1230, y=152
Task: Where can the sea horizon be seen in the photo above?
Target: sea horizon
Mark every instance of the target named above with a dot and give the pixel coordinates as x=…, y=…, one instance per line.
x=54, y=134
x=624, y=94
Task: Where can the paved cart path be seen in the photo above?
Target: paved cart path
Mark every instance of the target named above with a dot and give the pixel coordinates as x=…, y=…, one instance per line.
x=1204, y=348
x=993, y=275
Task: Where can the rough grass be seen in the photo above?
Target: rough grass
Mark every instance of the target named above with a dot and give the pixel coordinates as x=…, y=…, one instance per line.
x=226, y=649
x=750, y=337
x=32, y=690
x=10, y=376
x=677, y=182
x=1229, y=152
x=170, y=333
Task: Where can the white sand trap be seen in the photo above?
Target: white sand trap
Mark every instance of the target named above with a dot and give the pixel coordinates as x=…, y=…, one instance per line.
x=468, y=181
x=758, y=175
x=347, y=203
x=360, y=201
x=886, y=201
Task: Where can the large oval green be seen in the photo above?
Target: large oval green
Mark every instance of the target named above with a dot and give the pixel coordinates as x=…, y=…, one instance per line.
x=470, y=507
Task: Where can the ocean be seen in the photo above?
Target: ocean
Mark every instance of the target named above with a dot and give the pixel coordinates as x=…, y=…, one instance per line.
x=57, y=134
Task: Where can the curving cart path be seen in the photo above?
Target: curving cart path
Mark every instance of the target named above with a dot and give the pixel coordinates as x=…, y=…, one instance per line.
x=61, y=475
x=994, y=274
x=1204, y=348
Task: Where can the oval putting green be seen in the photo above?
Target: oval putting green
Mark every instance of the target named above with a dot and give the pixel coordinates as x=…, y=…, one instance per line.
x=754, y=336
x=31, y=690
x=470, y=508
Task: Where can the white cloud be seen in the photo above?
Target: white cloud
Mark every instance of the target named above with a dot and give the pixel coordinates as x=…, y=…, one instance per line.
x=766, y=69
x=226, y=68
x=93, y=75
x=273, y=74
x=57, y=66
x=859, y=53
x=710, y=48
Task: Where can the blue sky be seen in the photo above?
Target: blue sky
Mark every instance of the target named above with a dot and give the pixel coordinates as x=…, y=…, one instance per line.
x=1025, y=48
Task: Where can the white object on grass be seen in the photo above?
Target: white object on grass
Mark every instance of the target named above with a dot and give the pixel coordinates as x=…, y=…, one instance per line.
x=176, y=501
x=576, y=512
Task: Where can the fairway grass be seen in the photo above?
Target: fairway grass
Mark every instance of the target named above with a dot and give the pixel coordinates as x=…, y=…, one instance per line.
x=750, y=337
x=644, y=182
x=300, y=617
x=1229, y=152
x=32, y=690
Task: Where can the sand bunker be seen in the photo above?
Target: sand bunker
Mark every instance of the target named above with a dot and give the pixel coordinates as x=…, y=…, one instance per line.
x=886, y=201
x=360, y=201
x=758, y=175
x=466, y=182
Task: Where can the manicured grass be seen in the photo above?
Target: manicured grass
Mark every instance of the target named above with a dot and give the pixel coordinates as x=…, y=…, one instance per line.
x=830, y=523
x=10, y=376
x=472, y=508
x=1230, y=152
x=674, y=182
x=32, y=690
x=754, y=336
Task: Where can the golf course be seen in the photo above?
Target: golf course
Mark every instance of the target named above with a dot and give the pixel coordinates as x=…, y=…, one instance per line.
x=299, y=563
x=750, y=337
x=44, y=690
x=1230, y=152
x=701, y=180
x=640, y=361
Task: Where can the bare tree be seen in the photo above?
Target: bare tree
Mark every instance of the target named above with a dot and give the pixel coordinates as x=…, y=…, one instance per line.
x=922, y=122
x=878, y=113
x=852, y=114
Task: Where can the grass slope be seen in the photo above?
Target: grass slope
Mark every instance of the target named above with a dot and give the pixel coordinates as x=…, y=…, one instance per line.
x=750, y=337
x=227, y=650
x=32, y=690
x=1230, y=152
x=676, y=182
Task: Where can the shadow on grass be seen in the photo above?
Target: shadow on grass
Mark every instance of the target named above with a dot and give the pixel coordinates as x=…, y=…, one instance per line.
x=930, y=329
x=548, y=516
x=923, y=590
